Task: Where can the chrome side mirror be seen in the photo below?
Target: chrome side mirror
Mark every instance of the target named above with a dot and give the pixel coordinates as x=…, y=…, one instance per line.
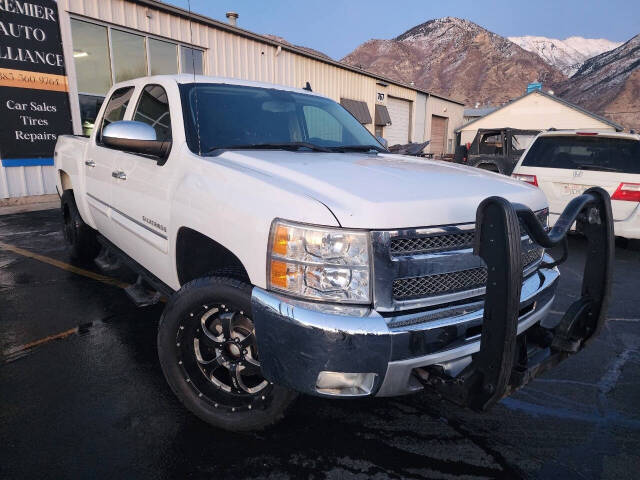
x=383, y=141
x=135, y=137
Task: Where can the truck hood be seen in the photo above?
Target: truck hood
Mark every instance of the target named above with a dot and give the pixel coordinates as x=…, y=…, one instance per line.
x=385, y=191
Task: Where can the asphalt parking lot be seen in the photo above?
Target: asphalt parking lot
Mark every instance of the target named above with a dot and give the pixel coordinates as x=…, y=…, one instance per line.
x=82, y=394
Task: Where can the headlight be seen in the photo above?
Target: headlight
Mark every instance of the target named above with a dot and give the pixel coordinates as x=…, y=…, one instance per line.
x=319, y=263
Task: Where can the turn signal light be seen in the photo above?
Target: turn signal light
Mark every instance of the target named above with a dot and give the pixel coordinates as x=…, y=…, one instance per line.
x=531, y=179
x=280, y=240
x=629, y=192
x=282, y=273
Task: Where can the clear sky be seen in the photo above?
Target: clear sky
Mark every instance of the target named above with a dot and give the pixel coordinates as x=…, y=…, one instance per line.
x=337, y=27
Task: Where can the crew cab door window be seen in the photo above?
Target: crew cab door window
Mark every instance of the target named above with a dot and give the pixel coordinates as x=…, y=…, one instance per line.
x=153, y=109
x=116, y=108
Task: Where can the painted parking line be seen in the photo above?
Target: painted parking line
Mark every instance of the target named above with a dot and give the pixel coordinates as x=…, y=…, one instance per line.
x=63, y=265
x=69, y=268
x=36, y=343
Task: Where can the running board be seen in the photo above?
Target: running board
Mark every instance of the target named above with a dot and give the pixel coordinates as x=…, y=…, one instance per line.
x=141, y=294
x=147, y=284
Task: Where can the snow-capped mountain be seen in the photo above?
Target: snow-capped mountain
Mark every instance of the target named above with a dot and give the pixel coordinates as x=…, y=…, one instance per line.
x=457, y=58
x=569, y=54
x=609, y=84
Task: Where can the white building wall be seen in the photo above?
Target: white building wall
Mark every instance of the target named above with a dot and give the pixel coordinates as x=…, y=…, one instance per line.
x=420, y=118
x=535, y=112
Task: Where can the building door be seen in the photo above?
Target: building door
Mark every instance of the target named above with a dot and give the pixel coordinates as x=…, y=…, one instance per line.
x=438, y=134
x=400, y=113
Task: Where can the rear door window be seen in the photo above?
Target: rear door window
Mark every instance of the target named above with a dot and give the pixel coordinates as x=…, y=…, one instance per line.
x=585, y=153
x=116, y=108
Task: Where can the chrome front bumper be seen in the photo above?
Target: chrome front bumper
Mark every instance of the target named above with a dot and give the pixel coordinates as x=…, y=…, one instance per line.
x=301, y=342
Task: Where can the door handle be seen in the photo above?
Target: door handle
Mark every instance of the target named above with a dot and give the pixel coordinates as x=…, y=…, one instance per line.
x=119, y=174
x=90, y=163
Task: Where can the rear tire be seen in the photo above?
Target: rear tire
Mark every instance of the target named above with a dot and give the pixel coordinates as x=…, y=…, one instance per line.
x=81, y=238
x=208, y=354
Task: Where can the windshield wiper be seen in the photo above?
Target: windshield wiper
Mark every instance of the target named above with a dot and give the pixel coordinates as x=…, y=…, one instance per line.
x=294, y=146
x=598, y=167
x=357, y=148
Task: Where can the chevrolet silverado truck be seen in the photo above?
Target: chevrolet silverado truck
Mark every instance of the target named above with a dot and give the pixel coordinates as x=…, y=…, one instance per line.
x=299, y=256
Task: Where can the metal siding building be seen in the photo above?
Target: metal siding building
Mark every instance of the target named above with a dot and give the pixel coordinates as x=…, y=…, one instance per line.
x=228, y=51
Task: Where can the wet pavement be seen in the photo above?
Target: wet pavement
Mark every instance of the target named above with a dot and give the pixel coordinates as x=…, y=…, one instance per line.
x=82, y=394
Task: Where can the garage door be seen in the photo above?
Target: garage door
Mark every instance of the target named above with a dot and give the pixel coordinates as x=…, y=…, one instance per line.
x=438, y=134
x=400, y=113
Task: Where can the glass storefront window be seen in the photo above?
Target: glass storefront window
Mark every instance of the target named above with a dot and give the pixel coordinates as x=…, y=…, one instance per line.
x=190, y=60
x=163, y=57
x=89, y=108
x=129, y=56
x=91, y=57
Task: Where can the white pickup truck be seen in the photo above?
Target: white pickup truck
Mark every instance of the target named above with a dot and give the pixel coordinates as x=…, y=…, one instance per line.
x=299, y=255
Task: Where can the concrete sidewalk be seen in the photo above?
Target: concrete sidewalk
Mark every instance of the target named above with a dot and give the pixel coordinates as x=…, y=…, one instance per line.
x=29, y=204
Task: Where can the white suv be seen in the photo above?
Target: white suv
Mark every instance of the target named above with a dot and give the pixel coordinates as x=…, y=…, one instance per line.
x=563, y=164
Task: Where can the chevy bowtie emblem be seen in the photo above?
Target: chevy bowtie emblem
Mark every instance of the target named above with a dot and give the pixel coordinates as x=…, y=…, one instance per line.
x=577, y=173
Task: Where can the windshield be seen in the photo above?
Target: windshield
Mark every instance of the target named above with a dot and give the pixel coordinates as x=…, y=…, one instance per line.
x=585, y=152
x=236, y=116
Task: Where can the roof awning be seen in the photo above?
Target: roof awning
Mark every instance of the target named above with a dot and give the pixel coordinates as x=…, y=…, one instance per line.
x=382, y=115
x=358, y=109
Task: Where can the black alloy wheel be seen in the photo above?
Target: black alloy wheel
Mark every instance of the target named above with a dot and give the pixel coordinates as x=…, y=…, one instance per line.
x=219, y=357
x=209, y=355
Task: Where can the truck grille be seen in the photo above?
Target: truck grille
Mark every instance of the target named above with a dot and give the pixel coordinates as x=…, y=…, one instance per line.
x=435, y=243
x=405, y=288
x=431, y=266
x=531, y=256
x=443, y=283
x=445, y=241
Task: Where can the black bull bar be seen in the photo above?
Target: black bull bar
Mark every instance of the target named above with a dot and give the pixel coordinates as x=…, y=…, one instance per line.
x=507, y=361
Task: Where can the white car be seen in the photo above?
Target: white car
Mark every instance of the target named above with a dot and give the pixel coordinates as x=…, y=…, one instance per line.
x=564, y=163
x=299, y=255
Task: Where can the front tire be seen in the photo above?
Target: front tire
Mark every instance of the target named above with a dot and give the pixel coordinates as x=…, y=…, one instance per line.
x=209, y=356
x=81, y=238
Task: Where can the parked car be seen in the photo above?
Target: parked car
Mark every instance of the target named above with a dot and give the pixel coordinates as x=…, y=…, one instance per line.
x=497, y=150
x=563, y=164
x=299, y=255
